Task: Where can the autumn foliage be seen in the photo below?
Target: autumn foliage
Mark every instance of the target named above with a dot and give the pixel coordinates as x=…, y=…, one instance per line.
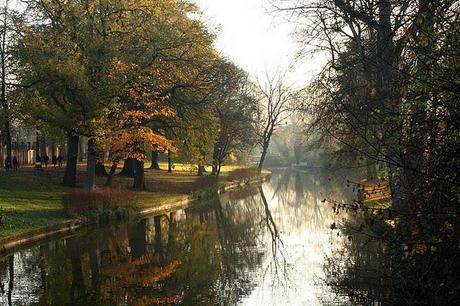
x=134, y=136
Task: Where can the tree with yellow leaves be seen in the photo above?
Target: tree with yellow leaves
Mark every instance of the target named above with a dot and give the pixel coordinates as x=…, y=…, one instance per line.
x=85, y=60
x=134, y=137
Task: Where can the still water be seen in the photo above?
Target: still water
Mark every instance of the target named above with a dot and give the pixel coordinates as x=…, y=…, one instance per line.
x=265, y=245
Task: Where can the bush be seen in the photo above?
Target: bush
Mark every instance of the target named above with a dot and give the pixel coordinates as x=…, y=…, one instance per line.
x=239, y=174
x=80, y=201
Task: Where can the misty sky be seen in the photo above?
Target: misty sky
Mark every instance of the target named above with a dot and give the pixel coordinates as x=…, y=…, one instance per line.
x=255, y=39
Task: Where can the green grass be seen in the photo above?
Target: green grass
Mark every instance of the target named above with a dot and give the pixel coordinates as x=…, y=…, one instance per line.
x=29, y=200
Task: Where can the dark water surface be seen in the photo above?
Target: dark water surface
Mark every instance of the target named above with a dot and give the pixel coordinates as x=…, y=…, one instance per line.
x=260, y=246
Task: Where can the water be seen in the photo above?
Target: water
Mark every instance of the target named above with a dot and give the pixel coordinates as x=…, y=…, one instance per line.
x=260, y=246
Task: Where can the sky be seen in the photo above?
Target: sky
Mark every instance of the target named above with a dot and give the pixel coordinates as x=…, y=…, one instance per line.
x=256, y=39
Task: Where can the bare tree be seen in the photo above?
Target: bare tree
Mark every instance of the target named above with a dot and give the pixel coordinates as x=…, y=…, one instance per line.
x=275, y=101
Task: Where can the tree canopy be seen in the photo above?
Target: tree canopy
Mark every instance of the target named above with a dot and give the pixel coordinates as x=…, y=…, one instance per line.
x=129, y=76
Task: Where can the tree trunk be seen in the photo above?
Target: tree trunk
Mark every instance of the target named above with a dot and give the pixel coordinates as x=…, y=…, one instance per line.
x=388, y=92
x=155, y=164
x=262, y=157
x=139, y=175
x=37, y=144
x=170, y=169
x=214, y=168
x=201, y=170
x=1, y=153
x=219, y=167
x=100, y=169
x=128, y=168
x=53, y=149
x=7, y=139
x=6, y=112
x=215, y=160
x=70, y=175
x=81, y=152
x=108, y=183
x=419, y=119
x=43, y=147
x=91, y=165
x=63, y=150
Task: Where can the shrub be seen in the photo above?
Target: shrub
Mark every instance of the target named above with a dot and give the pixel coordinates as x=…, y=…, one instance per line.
x=239, y=174
x=80, y=201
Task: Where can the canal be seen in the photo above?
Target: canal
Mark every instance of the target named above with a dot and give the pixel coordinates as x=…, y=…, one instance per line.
x=264, y=245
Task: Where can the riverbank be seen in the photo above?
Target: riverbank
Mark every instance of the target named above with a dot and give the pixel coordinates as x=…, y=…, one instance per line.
x=31, y=204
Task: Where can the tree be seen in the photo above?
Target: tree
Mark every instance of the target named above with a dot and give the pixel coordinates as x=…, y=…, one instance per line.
x=182, y=55
x=384, y=40
x=85, y=57
x=195, y=140
x=67, y=55
x=275, y=101
x=235, y=108
x=7, y=38
x=195, y=126
x=154, y=158
x=388, y=94
x=134, y=137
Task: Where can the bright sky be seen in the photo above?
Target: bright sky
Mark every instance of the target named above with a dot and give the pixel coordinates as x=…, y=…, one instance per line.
x=256, y=40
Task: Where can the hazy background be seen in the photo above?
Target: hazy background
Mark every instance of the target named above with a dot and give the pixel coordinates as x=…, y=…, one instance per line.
x=258, y=39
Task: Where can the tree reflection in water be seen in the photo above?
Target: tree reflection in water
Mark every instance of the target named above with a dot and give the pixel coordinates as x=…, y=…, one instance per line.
x=361, y=270
x=258, y=245
x=276, y=242
x=200, y=257
x=7, y=272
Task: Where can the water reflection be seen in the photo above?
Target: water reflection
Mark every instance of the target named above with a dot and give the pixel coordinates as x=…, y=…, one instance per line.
x=303, y=221
x=360, y=271
x=260, y=245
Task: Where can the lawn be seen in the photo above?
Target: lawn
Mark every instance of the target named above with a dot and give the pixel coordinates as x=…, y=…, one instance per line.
x=30, y=200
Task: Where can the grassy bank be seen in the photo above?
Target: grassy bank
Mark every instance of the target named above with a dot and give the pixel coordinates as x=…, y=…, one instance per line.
x=30, y=200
